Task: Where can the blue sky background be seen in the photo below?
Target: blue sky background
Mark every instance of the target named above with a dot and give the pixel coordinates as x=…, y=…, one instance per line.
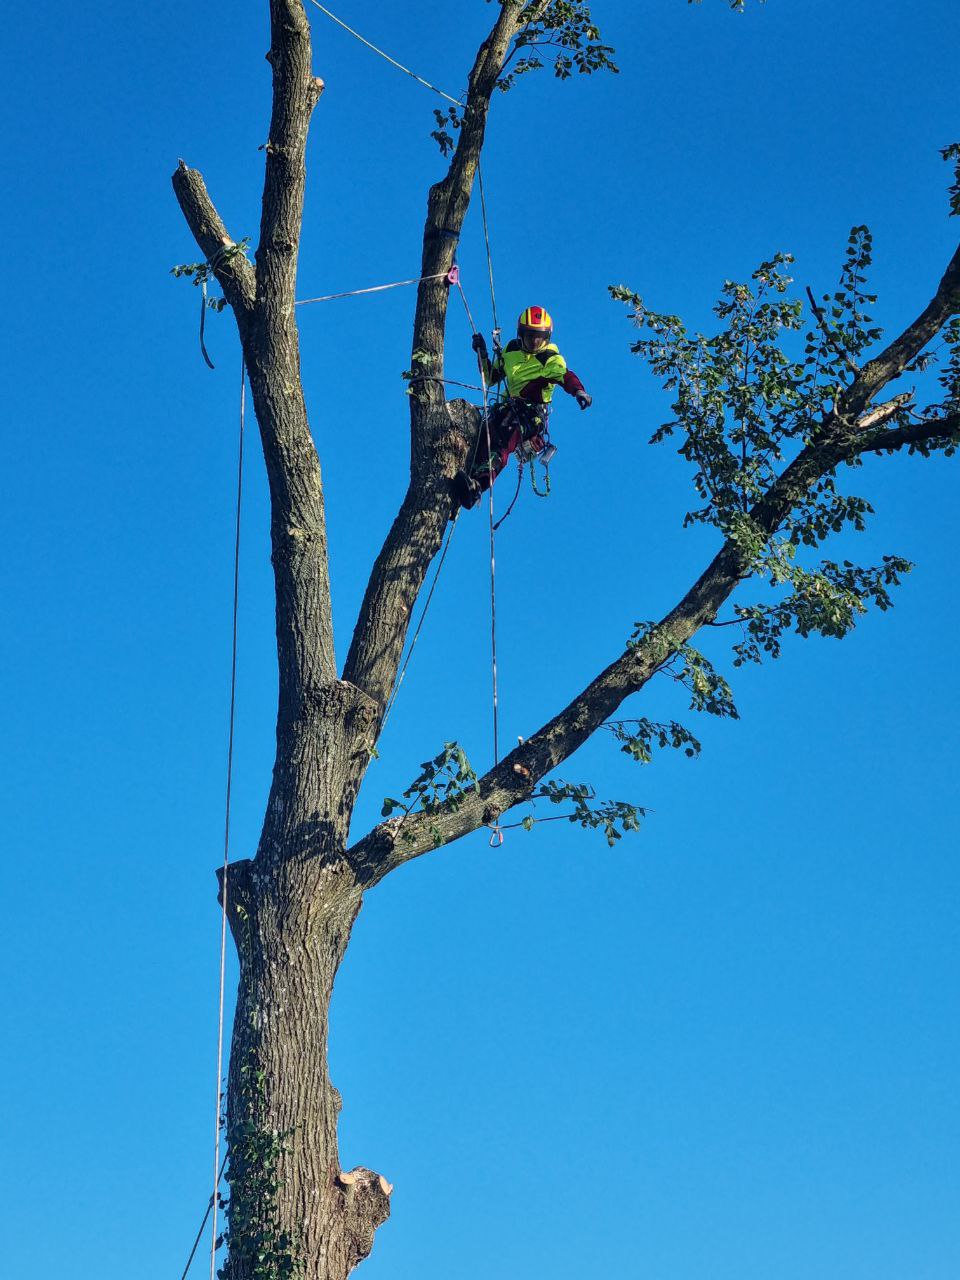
x=725, y=1049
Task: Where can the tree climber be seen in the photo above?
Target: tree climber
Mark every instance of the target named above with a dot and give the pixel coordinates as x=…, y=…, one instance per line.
x=532, y=366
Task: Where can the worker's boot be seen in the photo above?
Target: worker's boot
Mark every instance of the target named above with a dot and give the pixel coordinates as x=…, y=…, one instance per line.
x=466, y=490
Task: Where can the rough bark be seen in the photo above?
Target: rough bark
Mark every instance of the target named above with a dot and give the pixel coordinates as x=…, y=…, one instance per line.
x=292, y=907
x=291, y=928
x=438, y=441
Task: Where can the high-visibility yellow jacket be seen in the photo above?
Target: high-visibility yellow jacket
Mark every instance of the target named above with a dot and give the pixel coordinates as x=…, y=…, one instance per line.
x=532, y=375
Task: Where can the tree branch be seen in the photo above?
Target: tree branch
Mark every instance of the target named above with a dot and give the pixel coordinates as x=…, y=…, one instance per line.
x=439, y=432
x=917, y=433
x=391, y=844
x=263, y=303
x=234, y=274
x=892, y=361
x=829, y=334
x=296, y=92
x=298, y=523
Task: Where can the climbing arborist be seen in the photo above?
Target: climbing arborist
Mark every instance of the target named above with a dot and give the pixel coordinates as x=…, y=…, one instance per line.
x=531, y=365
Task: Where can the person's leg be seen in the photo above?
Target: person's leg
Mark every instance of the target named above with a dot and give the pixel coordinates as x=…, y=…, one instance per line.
x=502, y=432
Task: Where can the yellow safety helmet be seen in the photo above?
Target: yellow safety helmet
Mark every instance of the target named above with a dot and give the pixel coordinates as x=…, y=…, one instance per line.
x=534, y=323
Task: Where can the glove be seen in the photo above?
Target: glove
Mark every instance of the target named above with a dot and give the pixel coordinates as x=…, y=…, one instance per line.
x=479, y=344
x=584, y=399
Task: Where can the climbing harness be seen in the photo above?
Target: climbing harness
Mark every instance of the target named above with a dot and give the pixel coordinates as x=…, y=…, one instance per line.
x=527, y=455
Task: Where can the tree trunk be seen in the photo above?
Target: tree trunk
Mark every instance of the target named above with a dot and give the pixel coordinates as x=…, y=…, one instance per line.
x=292, y=1211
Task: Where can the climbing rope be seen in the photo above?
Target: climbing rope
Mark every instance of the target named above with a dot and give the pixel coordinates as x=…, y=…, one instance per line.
x=217, y=1170
x=419, y=627
x=486, y=240
x=497, y=837
x=457, y=102
x=545, y=492
x=199, y=1235
x=375, y=288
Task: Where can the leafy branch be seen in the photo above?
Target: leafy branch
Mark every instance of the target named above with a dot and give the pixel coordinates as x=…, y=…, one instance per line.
x=202, y=273
x=441, y=785
x=637, y=738
x=614, y=817
x=566, y=26
x=452, y=118
x=708, y=689
x=952, y=152
x=826, y=601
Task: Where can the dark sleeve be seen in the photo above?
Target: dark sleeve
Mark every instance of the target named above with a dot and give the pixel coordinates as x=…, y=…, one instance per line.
x=571, y=383
x=534, y=390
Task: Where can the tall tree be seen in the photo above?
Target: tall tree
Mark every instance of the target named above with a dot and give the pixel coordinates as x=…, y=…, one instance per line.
x=765, y=419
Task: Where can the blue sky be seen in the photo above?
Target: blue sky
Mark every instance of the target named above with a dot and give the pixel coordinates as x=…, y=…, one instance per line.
x=726, y=1048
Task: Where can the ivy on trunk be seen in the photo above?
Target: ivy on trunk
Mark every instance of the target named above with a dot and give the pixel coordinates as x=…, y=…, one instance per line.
x=766, y=429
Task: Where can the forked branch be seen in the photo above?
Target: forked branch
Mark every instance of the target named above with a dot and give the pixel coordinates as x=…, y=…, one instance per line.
x=838, y=439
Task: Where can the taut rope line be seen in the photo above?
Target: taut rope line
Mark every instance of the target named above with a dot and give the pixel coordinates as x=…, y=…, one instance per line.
x=226, y=825
x=457, y=102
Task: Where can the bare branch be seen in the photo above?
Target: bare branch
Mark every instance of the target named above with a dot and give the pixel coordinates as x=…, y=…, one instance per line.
x=929, y=431
x=295, y=93
x=298, y=523
x=439, y=432
x=262, y=301
x=900, y=353
x=235, y=274
x=882, y=412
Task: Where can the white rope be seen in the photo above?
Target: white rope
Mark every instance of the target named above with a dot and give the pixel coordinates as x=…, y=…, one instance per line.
x=399, y=65
x=374, y=288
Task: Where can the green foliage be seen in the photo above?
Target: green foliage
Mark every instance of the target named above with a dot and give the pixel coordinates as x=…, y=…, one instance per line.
x=826, y=601
x=746, y=399
x=738, y=395
x=949, y=378
x=202, y=273
x=614, y=817
x=443, y=782
x=420, y=364
x=567, y=28
x=257, y=1246
x=452, y=118
x=952, y=152
x=708, y=689
x=742, y=398
x=638, y=737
